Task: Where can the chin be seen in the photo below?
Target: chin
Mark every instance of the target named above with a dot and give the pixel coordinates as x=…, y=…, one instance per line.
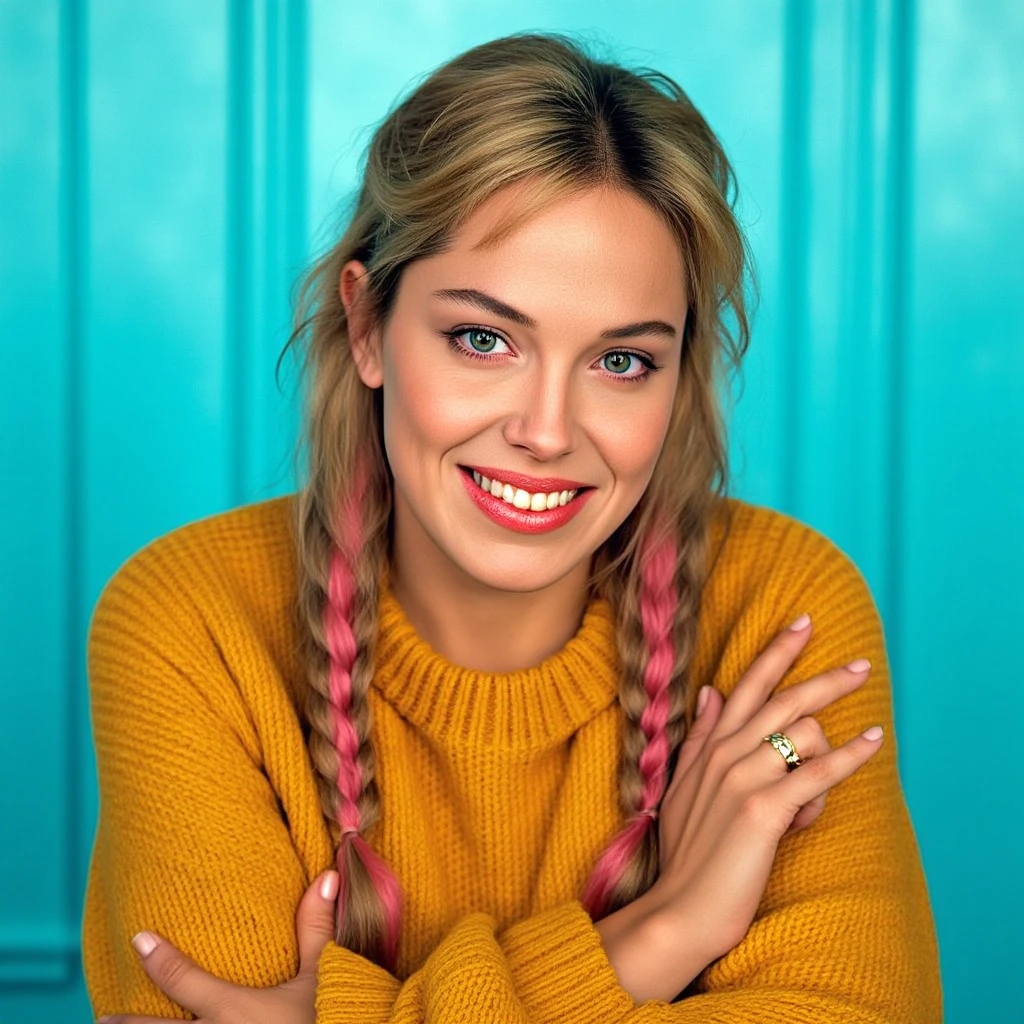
x=519, y=578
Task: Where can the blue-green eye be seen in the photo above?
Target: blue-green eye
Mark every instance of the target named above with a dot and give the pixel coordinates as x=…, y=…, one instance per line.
x=626, y=365
x=617, y=362
x=481, y=341
x=476, y=342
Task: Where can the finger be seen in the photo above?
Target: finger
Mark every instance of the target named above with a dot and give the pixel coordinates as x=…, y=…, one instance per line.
x=813, y=809
x=806, y=698
x=179, y=976
x=819, y=774
x=808, y=740
x=315, y=919
x=764, y=764
x=697, y=734
x=763, y=676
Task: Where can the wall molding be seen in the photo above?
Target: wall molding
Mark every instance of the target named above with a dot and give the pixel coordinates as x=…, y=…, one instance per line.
x=266, y=195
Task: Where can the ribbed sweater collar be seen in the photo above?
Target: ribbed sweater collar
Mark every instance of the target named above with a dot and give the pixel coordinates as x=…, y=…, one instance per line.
x=528, y=710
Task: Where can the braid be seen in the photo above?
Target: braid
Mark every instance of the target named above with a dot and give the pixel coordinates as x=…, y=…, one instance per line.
x=658, y=603
x=657, y=629
x=369, y=897
x=657, y=606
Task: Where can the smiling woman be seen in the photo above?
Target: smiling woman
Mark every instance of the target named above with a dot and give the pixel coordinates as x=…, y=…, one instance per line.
x=538, y=394
x=511, y=663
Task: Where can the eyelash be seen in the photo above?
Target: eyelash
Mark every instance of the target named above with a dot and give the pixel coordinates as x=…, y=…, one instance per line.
x=649, y=364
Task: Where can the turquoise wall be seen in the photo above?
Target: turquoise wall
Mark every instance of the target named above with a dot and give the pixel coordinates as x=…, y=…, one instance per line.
x=165, y=169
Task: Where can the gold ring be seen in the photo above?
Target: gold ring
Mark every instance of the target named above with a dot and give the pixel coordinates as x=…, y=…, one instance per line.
x=784, y=745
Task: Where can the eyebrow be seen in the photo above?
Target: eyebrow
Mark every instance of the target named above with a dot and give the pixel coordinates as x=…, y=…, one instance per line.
x=472, y=297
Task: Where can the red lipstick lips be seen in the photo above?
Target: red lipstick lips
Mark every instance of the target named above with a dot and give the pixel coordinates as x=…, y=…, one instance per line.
x=524, y=520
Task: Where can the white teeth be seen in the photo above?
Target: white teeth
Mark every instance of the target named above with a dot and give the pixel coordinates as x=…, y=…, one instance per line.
x=538, y=502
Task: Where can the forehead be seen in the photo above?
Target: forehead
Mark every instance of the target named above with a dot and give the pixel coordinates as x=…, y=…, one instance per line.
x=603, y=245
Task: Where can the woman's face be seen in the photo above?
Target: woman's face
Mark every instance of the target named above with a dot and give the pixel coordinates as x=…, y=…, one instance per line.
x=543, y=364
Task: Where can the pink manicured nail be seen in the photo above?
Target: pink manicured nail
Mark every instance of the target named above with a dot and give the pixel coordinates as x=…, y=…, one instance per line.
x=329, y=886
x=874, y=733
x=144, y=944
x=702, y=699
x=802, y=623
x=860, y=665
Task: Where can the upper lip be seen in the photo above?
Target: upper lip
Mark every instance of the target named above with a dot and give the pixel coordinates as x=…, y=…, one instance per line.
x=533, y=484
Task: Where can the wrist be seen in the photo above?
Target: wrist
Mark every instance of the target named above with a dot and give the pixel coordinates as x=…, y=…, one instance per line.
x=655, y=951
x=678, y=936
x=678, y=914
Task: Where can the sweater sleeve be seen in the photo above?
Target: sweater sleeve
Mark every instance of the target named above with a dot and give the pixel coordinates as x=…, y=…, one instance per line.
x=190, y=840
x=844, y=931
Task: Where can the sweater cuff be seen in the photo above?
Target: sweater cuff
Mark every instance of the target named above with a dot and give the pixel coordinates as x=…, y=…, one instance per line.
x=369, y=990
x=560, y=970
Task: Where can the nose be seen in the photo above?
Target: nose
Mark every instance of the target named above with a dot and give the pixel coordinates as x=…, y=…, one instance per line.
x=542, y=421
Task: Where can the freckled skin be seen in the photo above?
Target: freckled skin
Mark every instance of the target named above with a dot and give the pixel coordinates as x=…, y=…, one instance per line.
x=544, y=402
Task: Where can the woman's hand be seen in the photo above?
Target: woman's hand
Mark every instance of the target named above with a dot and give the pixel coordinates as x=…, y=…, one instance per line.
x=733, y=797
x=220, y=1002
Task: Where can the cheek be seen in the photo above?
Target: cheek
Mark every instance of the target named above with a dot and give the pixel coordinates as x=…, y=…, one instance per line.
x=426, y=409
x=632, y=441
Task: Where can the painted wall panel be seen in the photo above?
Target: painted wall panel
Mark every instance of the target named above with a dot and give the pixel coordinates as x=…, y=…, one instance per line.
x=155, y=384
x=962, y=536
x=36, y=541
x=167, y=168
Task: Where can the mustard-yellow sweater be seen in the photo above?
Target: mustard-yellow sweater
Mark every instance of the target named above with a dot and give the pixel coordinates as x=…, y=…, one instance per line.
x=498, y=794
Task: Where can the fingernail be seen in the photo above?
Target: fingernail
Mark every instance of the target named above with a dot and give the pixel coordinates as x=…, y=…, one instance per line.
x=329, y=885
x=702, y=698
x=874, y=733
x=860, y=665
x=802, y=623
x=144, y=944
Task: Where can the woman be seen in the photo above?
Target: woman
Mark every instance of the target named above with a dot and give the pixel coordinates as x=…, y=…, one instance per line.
x=539, y=712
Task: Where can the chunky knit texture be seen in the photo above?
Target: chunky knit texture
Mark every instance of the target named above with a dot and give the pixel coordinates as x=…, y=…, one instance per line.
x=498, y=792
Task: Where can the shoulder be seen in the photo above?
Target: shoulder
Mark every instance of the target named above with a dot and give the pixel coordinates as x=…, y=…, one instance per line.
x=200, y=625
x=243, y=556
x=767, y=568
x=760, y=552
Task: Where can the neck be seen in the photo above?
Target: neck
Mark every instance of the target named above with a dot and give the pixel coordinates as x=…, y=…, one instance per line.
x=477, y=627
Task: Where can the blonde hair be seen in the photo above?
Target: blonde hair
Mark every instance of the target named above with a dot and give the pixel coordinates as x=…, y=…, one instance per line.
x=533, y=109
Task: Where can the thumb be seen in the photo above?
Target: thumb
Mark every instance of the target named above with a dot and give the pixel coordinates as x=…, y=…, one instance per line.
x=315, y=919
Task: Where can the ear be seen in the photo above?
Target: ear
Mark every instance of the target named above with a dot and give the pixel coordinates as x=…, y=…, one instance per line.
x=364, y=341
